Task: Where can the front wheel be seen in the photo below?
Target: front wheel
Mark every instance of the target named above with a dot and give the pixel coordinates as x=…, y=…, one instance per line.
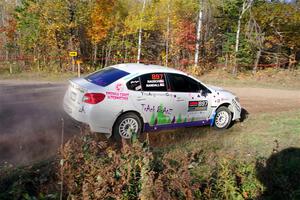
x=222, y=118
x=127, y=125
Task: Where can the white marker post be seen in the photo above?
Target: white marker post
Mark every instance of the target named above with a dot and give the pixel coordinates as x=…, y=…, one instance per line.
x=78, y=67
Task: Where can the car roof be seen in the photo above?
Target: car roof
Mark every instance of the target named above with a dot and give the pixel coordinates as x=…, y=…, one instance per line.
x=144, y=68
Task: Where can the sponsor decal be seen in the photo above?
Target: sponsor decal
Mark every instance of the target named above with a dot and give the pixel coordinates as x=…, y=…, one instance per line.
x=135, y=82
x=117, y=95
x=157, y=80
x=138, y=88
x=157, y=76
x=155, y=94
x=157, y=127
x=82, y=110
x=155, y=83
x=158, y=109
x=197, y=105
x=119, y=87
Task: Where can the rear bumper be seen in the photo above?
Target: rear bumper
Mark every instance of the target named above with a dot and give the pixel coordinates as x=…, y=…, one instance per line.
x=77, y=113
x=85, y=114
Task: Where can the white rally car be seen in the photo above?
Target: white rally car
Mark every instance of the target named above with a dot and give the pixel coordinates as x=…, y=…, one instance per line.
x=132, y=98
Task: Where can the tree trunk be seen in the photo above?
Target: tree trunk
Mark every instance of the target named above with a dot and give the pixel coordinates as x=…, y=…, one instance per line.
x=246, y=6
x=258, y=54
x=44, y=59
x=237, y=41
x=108, y=55
x=199, y=27
x=123, y=48
x=140, y=34
x=277, y=61
x=38, y=59
x=292, y=59
x=95, y=54
x=103, y=58
x=226, y=61
x=168, y=34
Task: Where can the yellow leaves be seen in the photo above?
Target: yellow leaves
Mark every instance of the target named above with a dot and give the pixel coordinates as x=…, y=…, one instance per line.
x=147, y=20
x=102, y=20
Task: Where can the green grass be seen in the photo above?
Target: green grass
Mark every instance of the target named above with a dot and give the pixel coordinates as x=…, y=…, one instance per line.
x=256, y=136
x=39, y=76
x=269, y=78
x=259, y=136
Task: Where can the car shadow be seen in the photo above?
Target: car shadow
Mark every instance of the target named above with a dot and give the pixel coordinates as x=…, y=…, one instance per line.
x=280, y=174
x=244, y=115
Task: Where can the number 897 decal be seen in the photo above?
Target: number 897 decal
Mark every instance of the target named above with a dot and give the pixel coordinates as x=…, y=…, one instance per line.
x=198, y=105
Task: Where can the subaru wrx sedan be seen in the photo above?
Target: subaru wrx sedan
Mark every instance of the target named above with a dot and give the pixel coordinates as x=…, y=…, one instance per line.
x=133, y=98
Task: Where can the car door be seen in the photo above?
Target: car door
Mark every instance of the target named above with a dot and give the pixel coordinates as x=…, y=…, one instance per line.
x=149, y=93
x=192, y=100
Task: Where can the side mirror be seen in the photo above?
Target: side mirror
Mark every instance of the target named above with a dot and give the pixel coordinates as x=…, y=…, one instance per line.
x=203, y=93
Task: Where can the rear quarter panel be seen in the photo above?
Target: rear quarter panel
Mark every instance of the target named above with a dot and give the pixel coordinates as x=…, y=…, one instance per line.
x=117, y=101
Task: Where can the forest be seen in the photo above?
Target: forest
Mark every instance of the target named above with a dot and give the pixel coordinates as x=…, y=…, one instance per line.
x=235, y=35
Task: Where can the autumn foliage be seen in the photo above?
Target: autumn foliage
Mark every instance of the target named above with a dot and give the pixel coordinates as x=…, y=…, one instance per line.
x=93, y=169
x=40, y=34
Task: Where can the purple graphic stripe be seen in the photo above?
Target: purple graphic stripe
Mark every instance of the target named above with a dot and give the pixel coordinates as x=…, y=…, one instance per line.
x=148, y=128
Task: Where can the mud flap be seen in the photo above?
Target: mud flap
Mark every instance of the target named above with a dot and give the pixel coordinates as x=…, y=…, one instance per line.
x=212, y=119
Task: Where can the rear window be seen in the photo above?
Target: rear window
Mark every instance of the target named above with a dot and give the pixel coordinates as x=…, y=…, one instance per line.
x=106, y=76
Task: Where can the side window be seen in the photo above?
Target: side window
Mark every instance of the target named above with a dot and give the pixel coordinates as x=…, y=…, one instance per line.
x=134, y=84
x=181, y=83
x=154, y=82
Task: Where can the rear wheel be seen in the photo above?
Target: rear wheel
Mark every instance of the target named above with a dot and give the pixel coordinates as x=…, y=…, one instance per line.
x=223, y=118
x=126, y=126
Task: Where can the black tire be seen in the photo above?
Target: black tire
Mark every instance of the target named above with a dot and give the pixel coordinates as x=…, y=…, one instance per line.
x=117, y=135
x=222, y=113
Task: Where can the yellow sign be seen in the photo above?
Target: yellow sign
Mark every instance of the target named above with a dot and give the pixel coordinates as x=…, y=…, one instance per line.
x=78, y=61
x=73, y=53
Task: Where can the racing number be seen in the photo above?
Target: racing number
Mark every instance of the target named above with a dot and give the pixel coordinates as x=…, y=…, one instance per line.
x=157, y=76
x=203, y=103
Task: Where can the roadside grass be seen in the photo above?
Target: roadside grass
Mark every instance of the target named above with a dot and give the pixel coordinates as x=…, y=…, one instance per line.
x=268, y=78
x=258, y=136
x=192, y=163
x=39, y=76
x=25, y=182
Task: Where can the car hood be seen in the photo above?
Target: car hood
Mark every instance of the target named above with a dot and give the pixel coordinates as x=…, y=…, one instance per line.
x=212, y=87
x=219, y=89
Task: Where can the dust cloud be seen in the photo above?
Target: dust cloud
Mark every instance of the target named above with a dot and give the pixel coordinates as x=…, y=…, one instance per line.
x=30, y=122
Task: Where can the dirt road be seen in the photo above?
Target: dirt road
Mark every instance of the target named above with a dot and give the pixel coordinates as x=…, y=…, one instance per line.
x=31, y=113
x=261, y=100
x=30, y=121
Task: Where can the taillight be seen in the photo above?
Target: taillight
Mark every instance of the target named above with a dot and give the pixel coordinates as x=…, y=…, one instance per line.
x=93, y=98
